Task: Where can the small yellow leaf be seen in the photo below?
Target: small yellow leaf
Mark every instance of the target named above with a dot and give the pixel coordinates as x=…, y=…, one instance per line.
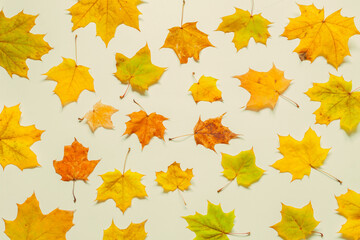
x=205, y=90
x=31, y=224
x=338, y=101
x=16, y=140
x=174, y=178
x=72, y=79
x=300, y=156
x=245, y=26
x=135, y=231
x=17, y=44
x=296, y=223
x=320, y=36
x=138, y=71
x=242, y=167
x=100, y=116
x=187, y=41
x=122, y=188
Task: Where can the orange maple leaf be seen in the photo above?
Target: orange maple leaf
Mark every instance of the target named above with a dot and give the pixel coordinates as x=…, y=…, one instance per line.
x=264, y=87
x=145, y=126
x=211, y=132
x=187, y=41
x=100, y=116
x=75, y=165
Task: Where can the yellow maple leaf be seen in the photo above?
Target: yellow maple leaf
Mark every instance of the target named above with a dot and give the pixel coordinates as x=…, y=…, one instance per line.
x=106, y=14
x=264, y=87
x=296, y=223
x=31, y=224
x=138, y=71
x=245, y=26
x=300, y=156
x=187, y=41
x=349, y=207
x=100, y=116
x=320, y=36
x=16, y=140
x=338, y=101
x=241, y=167
x=174, y=178
x=135, y=231
x=122, y=188
x=17, y=43
x=72, y=79
x=205, y=90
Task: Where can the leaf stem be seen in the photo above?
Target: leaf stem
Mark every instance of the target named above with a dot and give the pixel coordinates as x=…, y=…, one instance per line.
x=356, y=89
x=290, y=100
x=139, y=105
x=227, y=184
x=252, y=7
x=122, y=96
x=193, y=75
x=76, y=57
x=126, y=157
x=80, y=119
x=246, y=233
x=327, y=174
x=73, y=191
x=185, y=135
x=182, y=197
x=182, y=13
x=321, y=234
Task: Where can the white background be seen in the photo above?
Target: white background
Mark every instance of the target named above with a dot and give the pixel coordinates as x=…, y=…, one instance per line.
x=256, y=208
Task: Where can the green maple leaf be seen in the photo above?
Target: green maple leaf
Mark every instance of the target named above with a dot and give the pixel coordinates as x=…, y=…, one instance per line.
x=215, y=225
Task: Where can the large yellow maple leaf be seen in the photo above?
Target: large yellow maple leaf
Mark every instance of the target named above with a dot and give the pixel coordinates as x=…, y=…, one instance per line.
x=138, y=71
x=300, y=156
x=320, y=36
x=122, y=188
x=264, y=87
x=31, y=224
x=245, y=26
x=16, y=140
x=296, y=223
x=135, y=231
x=174, y=178
x=349, y=207
x=106, y=14
x=187, y=41
x=338, y=101
x=72, y=79
x=17, y=43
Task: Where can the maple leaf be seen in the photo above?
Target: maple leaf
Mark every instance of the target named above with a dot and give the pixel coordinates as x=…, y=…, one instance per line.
x=187, y=41
x=319, y=36
x=337, y=102
x=100, y=116
x=349, y=207
x=17, y=44
x=215, y=225
x=300, y=156
x=31, y=224
x=16, y=140
x=205, y=90
x=296, y=223
x=75, y=164
x=138, y=71
x=122, y=188
x=212, y=132
x=72, y=79
x=242, y=167
x=264, y=87
x=135, y=231
x=245, y=26
x=174, y=178
x=106, y=14
x=145, y=126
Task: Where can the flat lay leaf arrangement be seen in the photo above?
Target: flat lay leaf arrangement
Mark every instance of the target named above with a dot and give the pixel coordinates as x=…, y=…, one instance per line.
x=83, y=106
